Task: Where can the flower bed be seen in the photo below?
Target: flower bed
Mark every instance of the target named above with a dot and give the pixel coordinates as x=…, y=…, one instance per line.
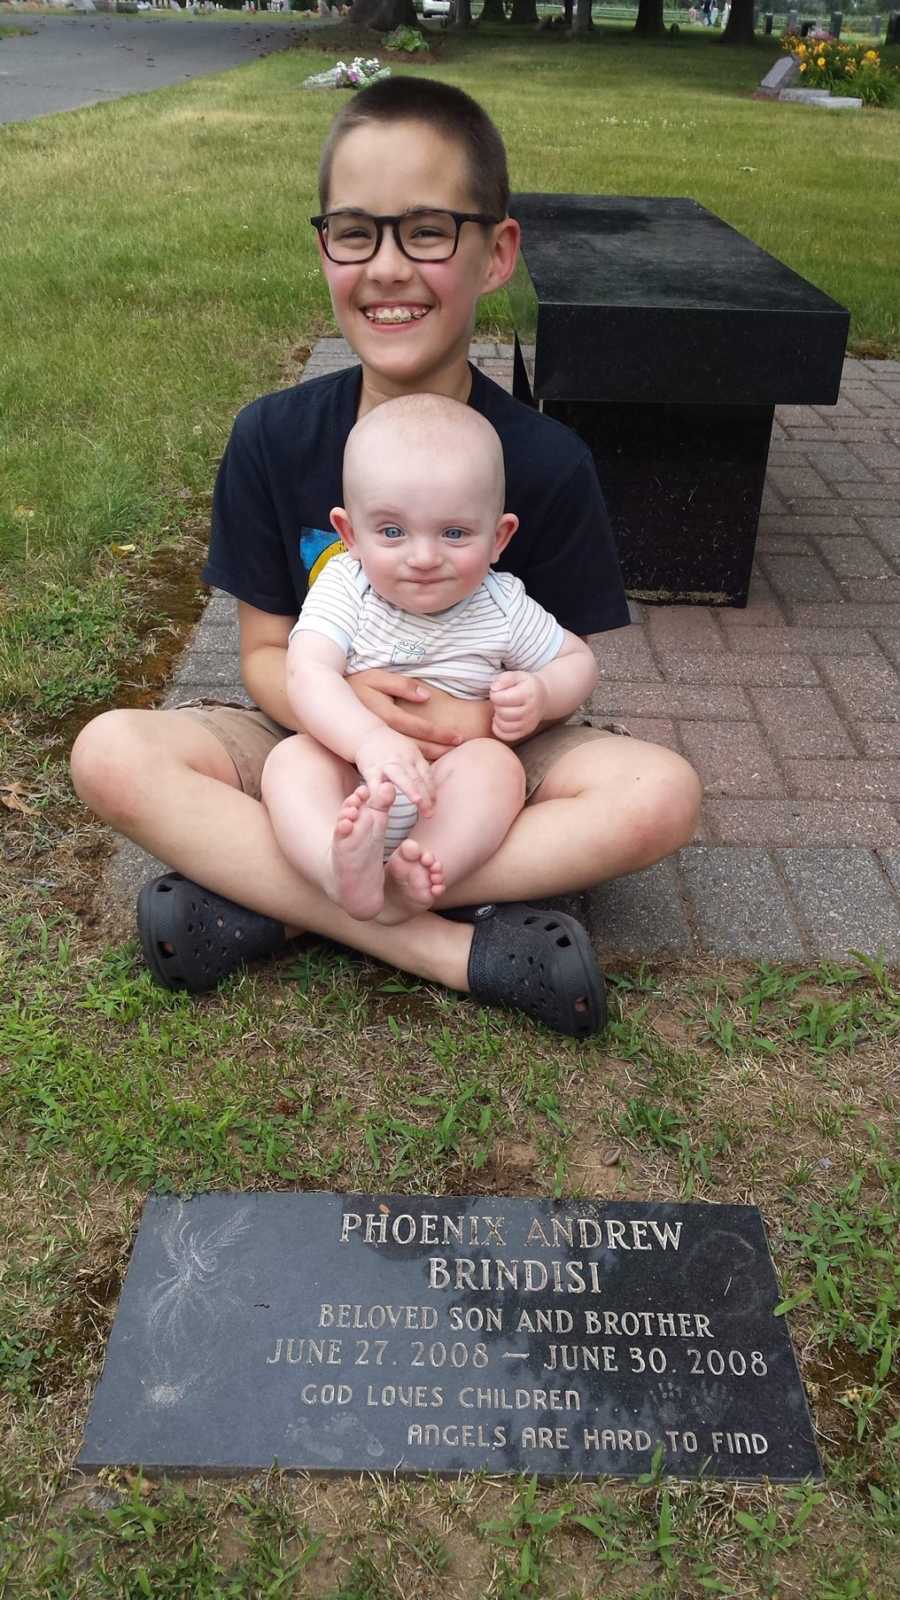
x=844, y=69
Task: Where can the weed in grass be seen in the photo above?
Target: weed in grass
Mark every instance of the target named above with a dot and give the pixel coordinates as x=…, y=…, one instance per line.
x=642, y=1119
x=640, y=981
x=775, y=1011
x=847, y=1254
x=610, y=1524
x=160, y=1543
x=521, y=1540
x=399, y=1148
x=365, y=1581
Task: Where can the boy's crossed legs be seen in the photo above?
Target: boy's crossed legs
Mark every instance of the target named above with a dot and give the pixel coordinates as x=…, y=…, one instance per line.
x=332, y=829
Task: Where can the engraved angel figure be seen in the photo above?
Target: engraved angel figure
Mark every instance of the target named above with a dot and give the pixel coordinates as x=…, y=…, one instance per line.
x=185, y=1314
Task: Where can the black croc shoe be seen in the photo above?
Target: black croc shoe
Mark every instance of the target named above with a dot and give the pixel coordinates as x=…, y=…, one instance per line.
x=193, y=938
x=538, y=961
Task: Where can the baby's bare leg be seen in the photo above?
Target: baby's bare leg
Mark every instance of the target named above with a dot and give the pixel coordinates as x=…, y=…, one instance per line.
x=479, y=790
x=304, y=789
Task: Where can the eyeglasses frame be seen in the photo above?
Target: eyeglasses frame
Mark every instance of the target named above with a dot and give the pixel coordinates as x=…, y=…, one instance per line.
x=393, y=222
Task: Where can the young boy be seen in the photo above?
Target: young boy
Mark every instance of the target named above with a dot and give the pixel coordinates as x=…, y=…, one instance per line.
x=422, y=522
x=413, y=230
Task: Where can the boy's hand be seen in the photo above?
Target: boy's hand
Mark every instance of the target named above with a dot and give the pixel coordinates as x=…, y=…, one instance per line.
x=389, y=761
x=519, y=701
x=437, y=721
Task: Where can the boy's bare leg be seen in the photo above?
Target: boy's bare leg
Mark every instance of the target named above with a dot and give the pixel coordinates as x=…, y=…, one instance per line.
x=480, y=788
x=163, y=780
x=611, y=806
x=606, y=808
x=326, y=823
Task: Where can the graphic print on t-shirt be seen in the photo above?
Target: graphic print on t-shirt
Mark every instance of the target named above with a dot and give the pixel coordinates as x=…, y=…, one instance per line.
x=407, y=650
x=317, y=546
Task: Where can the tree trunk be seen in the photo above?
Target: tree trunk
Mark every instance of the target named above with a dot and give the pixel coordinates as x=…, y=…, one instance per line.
x=383, y=14
x=583, y=19
x=492, y=11
x=524, y=12
x=461, y=14
x=740, y=23
x=650, y=18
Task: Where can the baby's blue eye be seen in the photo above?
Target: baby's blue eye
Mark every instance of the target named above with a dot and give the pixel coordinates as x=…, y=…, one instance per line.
x=455, y=533
x=392, y=531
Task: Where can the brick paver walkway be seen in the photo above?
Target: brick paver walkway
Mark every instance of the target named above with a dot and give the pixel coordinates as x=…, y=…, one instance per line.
x=790, y=709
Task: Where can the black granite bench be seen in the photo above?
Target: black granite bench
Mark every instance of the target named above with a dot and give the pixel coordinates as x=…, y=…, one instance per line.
x=666, y=339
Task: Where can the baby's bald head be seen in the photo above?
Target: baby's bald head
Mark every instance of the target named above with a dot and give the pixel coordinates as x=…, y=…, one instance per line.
x=430, y=431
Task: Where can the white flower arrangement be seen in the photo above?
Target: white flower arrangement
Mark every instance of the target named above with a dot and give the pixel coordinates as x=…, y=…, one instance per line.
x=355, y=76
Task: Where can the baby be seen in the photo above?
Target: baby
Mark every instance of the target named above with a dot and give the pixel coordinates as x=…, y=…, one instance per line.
x=414, y=592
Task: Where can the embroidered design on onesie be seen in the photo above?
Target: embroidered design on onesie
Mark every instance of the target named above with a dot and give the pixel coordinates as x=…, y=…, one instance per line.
x=407, y=650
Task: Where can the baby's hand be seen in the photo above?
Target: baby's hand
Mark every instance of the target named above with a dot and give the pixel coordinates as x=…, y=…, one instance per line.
x=389, y=761
x=519, y=700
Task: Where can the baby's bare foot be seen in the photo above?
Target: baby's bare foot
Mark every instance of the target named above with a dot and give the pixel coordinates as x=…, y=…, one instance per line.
x=414, y=879
x=354, y=873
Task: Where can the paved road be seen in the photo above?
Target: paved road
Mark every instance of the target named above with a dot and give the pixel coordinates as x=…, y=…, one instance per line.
x=81, y=59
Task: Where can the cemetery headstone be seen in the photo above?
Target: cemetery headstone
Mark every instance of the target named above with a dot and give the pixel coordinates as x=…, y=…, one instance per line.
x=770, y=20
x=836, y=24
x=876, y=27
x=780, y=74
x=792, y=22
x=408, y=1334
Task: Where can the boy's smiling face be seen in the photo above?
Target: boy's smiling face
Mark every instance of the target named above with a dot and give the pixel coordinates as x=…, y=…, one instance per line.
x=386, y=169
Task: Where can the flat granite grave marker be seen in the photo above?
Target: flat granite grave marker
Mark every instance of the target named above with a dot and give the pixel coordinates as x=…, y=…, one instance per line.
x=411, y=1334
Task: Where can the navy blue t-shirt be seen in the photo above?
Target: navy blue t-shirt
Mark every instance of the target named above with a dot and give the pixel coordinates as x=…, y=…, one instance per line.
x=280, y=476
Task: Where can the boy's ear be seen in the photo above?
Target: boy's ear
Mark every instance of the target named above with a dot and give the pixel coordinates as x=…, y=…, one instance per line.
x=506, y=527
x=340, y=521
x=502, y=259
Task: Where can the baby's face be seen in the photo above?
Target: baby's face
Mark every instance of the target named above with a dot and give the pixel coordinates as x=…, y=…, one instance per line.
x=425, y=524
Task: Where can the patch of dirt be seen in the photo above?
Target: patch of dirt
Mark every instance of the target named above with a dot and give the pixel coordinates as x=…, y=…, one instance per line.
x=81, y=1324
x=512, y=1168
x=595, y=1167
x=842, y=1373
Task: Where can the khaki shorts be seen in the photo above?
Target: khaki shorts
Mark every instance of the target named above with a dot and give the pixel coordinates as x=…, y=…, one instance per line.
x=249, y=735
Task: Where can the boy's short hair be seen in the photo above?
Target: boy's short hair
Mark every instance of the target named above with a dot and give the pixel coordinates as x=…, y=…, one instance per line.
x=450, y=112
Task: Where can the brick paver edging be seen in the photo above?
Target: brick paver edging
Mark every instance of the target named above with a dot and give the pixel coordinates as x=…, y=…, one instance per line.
x=789, y=709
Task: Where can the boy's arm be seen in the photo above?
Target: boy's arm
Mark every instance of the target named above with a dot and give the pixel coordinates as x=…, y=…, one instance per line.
x=524, y=701
x=264, y=641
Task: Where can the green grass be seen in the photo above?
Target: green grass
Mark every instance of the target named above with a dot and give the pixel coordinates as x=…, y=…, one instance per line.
x=158, y=271
x=294, y=1075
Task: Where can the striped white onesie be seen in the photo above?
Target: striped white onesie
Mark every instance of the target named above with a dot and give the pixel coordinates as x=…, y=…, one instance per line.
x=462, y=650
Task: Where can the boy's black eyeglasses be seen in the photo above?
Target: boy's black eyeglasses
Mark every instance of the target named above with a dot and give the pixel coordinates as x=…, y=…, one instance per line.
x=422, y=235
